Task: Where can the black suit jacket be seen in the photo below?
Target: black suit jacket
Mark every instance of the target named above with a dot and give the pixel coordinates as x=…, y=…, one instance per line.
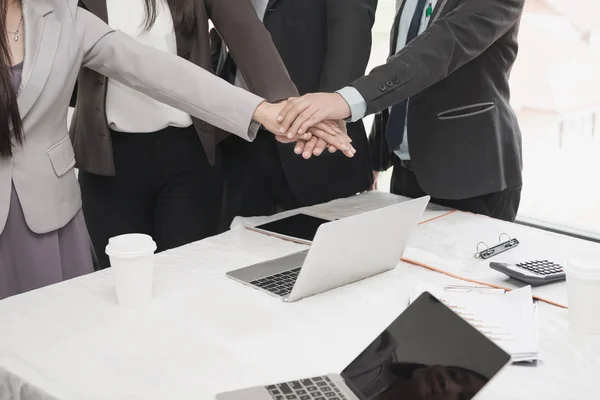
x=325, y=45
x=463, y=134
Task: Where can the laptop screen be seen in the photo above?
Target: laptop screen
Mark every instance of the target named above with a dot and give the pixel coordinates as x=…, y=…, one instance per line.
x=428, y=352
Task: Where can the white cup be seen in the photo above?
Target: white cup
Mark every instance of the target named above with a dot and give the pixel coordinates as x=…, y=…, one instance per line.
x=583, y=290
x=132, y=260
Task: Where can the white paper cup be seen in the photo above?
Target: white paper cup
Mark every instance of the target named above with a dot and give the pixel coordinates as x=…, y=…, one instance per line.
x=132, y=262
x=583, y=290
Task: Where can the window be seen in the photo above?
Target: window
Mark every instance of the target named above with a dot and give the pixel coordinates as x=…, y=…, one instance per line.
x=556, y=95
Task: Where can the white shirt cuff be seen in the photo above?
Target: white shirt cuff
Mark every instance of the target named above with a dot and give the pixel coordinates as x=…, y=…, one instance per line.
x=357, y=103
x=253, y=130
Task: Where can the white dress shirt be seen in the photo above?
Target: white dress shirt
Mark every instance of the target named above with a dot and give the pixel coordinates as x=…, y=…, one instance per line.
x=128, y=110
x=358, y=105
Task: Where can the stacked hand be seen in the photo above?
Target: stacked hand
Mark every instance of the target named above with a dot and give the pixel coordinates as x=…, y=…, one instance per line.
x=301, y=113
x=313, y=140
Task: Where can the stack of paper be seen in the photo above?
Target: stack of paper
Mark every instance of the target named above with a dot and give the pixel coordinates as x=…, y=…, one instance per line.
x=507, y=318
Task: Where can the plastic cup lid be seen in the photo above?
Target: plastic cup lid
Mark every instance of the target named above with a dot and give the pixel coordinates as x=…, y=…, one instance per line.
x=588, y=269
x=130, y=245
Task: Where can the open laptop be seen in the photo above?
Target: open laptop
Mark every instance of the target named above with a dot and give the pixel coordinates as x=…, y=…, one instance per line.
x=343, y=251
x=428, y=352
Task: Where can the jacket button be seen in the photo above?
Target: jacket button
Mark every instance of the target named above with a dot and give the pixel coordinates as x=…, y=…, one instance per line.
x=395, y=79
x=382, y=87
x=389, y=83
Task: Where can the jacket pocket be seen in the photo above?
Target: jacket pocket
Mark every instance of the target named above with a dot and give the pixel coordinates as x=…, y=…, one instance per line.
x=62, y=156
x=466, y=111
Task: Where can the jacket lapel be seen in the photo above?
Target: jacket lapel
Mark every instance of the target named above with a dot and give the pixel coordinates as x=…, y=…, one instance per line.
x=41, y=42
x=98, y=8
x=271, y=3
x=394, y=32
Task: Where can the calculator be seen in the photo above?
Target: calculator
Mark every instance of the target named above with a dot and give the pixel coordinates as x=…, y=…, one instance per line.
x=535, y=273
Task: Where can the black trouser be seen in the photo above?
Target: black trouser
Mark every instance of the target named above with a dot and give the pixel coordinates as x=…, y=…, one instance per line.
x=501, y=205
x=255, y=183
x=164, y=187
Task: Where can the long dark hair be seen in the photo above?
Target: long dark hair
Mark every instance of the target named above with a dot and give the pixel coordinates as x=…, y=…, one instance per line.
x=10, y=119
x=183, y=13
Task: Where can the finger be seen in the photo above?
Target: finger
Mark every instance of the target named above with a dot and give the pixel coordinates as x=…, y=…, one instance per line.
x=299, y=147
x=332, y=149
x=302, y=117
x=283, y=139
x=337, y=141
x=310, y=147
x=286, y=107
x=290, y=112
x=324, y=126
x=320, y=146
x=315, y=118
x=334, y=126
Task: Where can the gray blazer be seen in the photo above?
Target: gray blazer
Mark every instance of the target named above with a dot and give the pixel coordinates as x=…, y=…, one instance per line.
x=60, y=38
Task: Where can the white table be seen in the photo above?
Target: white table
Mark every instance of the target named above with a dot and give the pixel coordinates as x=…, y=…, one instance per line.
x=205, y=333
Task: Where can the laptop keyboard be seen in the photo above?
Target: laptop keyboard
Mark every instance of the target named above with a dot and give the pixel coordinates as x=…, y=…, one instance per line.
x=280, y=284
x=320, y=388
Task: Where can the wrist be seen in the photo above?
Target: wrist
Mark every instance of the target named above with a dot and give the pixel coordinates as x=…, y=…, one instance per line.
x=345, y=109
x=260, y=114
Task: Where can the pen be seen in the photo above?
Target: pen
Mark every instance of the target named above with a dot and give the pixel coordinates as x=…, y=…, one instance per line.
x=429, y=10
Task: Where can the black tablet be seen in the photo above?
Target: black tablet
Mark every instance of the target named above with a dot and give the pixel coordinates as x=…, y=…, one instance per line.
x=299, y=228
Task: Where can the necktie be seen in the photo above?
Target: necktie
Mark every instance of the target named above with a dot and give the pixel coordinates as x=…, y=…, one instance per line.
x=394, y=132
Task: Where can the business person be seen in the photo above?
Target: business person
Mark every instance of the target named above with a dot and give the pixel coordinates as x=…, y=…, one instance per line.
x=325, y=45
x=43, y=237
x=447, y=126
x=147, y=167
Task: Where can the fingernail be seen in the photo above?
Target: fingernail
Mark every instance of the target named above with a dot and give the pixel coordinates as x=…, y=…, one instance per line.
x=279, y=119
x=317, y=152
x=290, y=135
x=306, y=154
x=282, y=129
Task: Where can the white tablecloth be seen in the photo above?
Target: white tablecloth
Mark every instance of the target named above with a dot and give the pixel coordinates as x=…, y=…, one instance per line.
x=205, y=333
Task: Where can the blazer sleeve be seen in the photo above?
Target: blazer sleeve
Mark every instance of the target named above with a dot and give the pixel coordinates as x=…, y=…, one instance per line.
x=349, y=24
x=252, y=48
x=381, y=156
x=449, y=43
x=166, y=77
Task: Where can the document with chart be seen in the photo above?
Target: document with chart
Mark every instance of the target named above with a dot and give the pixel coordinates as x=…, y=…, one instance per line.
x=508, y=318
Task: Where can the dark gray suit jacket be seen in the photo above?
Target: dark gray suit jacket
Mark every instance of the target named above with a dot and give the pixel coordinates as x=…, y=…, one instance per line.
x=463, y=134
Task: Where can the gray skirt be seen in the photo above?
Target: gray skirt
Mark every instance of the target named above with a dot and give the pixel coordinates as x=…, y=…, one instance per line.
x=30, y=261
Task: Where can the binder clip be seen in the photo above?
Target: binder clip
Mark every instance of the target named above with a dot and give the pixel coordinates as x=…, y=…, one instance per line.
x=500, y=248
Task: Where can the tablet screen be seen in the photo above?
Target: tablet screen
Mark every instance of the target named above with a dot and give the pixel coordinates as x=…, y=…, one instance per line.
x=428, y=352
x=299, y=226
